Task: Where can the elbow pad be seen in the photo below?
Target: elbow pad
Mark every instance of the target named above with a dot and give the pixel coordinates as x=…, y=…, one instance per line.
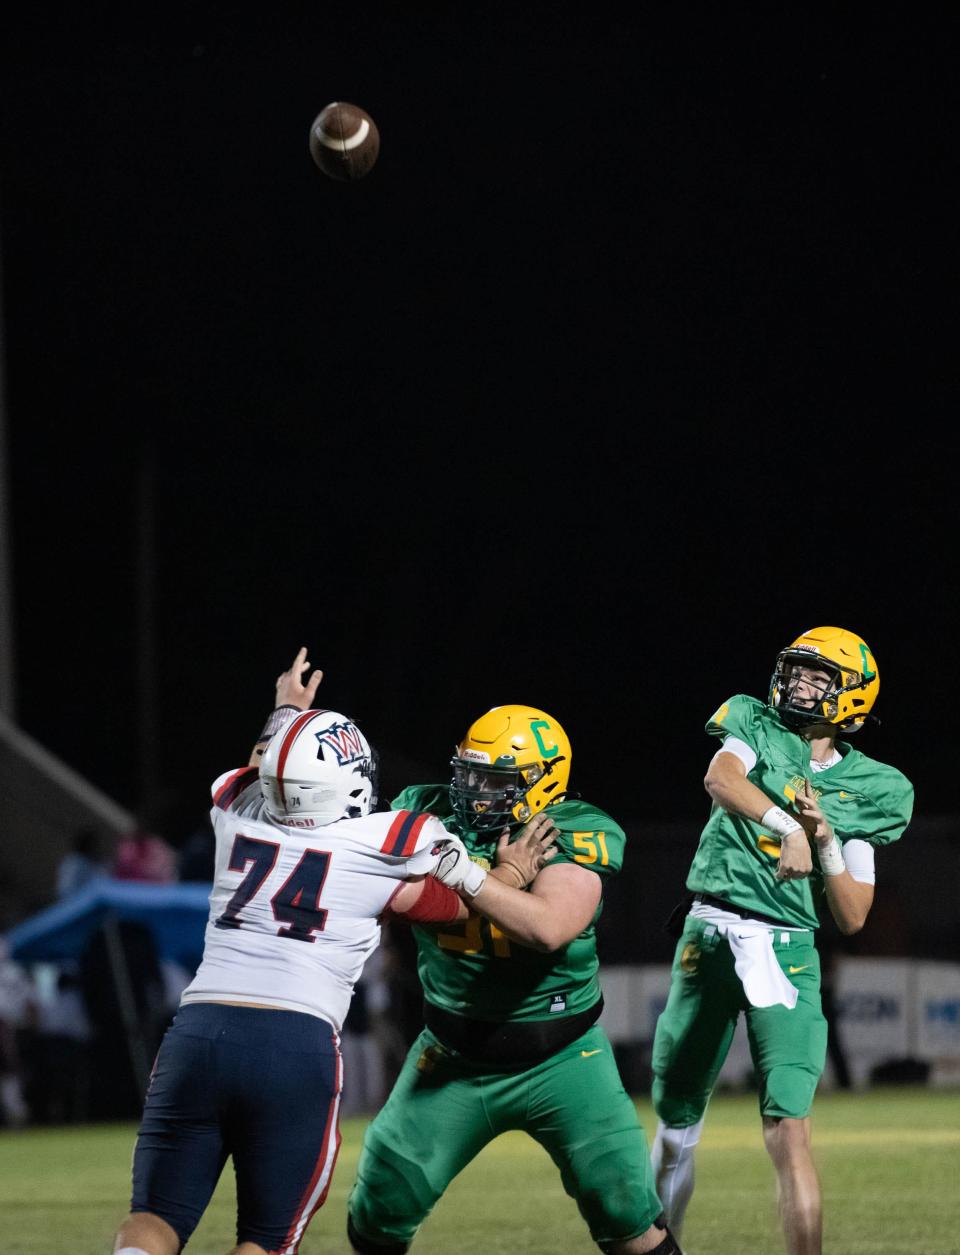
x=436, y=905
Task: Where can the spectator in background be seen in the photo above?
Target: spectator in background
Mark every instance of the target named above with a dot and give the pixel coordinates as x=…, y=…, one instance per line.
x=141, y=855
x=829, y=947
x=84, y=863
x=125, y=998
x=365, y=1046
x=59, y=1077
x=197, y=854
x=17, y=1011
x=397, y=1010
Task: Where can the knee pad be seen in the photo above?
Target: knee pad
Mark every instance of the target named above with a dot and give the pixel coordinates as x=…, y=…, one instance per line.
x=788, y=1091
x=613, y=1188
x=678, y=1109
x=363, y=1246
x=390, y=1199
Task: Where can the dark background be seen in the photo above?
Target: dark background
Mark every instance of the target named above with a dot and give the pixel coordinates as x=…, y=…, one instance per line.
x=626, y=364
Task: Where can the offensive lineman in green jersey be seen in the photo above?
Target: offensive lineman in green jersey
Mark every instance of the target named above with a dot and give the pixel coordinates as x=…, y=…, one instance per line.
x=795, y=819
x=511, y=1039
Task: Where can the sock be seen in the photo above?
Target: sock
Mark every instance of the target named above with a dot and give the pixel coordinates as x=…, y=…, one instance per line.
x=131, y=1250
x=672, y=1160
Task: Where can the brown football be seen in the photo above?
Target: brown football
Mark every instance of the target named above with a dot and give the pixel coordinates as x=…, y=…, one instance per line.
x=344, y=141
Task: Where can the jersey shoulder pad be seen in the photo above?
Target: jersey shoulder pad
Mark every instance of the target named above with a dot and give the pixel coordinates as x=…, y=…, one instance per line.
x=738, y=716
x=588, y=836
x=890, y=793
x=227, y=790
x=401, y=834
x=434, y=798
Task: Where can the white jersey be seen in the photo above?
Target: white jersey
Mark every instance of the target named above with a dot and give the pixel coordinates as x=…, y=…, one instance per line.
x=295, y=907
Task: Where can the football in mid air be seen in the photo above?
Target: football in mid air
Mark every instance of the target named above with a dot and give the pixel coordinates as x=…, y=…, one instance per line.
x=344, y=141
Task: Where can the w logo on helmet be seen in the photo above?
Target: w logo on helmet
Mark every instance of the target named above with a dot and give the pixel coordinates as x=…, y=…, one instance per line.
x=345, y=740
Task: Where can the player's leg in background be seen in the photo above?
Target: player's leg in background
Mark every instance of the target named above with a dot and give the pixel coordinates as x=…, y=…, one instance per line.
x=798, y=1187
x=789, y=1050
x=428, y=1130
x=692, y=1038
x=578, y=1110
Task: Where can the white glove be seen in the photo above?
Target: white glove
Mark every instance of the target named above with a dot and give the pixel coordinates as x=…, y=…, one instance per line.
x=454, y=867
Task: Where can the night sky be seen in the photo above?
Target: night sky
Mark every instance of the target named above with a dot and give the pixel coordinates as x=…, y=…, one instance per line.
x=626, y=364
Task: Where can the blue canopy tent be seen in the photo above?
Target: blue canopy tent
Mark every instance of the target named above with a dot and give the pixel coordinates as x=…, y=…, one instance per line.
x=176, y=916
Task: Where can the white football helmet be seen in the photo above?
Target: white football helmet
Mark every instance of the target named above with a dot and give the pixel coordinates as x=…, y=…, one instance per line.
x=321, y=768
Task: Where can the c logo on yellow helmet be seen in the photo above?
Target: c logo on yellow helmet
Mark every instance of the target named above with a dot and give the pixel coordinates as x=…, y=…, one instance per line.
x=548, y=751
x=846, y=700
x=529, y=756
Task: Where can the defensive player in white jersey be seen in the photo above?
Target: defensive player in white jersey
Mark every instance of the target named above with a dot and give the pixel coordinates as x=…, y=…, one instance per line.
x=250, y=1067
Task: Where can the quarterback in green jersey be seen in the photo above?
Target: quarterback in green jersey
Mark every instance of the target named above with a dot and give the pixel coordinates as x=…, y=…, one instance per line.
x=511, y=1038
x=796, y=817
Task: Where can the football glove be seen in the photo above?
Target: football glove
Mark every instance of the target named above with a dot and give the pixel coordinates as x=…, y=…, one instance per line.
x=454, y=867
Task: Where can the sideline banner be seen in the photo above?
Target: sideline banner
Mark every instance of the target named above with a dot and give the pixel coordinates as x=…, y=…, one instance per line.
x=886, y=1009
x=938, y=1010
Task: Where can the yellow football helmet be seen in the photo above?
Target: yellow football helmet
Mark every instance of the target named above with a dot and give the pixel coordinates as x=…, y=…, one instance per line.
x=513, y=761
x=844, y=699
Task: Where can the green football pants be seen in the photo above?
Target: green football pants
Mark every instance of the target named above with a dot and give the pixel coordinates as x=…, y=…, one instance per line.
x=443, y=1111
x=693, y=1034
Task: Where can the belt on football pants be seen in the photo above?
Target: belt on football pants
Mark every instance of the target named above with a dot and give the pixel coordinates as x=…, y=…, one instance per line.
x=709, y=899
x=510, y=1044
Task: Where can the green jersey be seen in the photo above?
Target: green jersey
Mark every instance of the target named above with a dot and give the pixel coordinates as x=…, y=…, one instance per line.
x=471, y=969
x=736, y=860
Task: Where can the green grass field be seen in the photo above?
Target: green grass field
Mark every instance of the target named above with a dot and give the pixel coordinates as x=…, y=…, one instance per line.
x=889, y=1161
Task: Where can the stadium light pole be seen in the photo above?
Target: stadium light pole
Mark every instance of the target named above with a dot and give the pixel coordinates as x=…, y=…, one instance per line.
x=8, y=697
x=147, y=621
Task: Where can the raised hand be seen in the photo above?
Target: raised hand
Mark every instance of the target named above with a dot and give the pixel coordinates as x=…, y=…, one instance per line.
x=815, y=823
x=291, y=689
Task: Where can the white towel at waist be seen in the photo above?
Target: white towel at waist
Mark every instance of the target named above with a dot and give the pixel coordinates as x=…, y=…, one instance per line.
x=756, y=964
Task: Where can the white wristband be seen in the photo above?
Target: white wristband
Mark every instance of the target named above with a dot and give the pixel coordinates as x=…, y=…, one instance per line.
x=831, y=858
x=778, y=822
x=474, y=879
x=278, y=719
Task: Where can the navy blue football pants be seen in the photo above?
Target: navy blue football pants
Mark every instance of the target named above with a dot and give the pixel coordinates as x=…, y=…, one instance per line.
x=260, y=1086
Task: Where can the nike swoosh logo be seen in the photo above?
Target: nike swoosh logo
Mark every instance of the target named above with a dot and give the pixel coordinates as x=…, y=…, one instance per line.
x=794, y=970
x=585, y=1054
